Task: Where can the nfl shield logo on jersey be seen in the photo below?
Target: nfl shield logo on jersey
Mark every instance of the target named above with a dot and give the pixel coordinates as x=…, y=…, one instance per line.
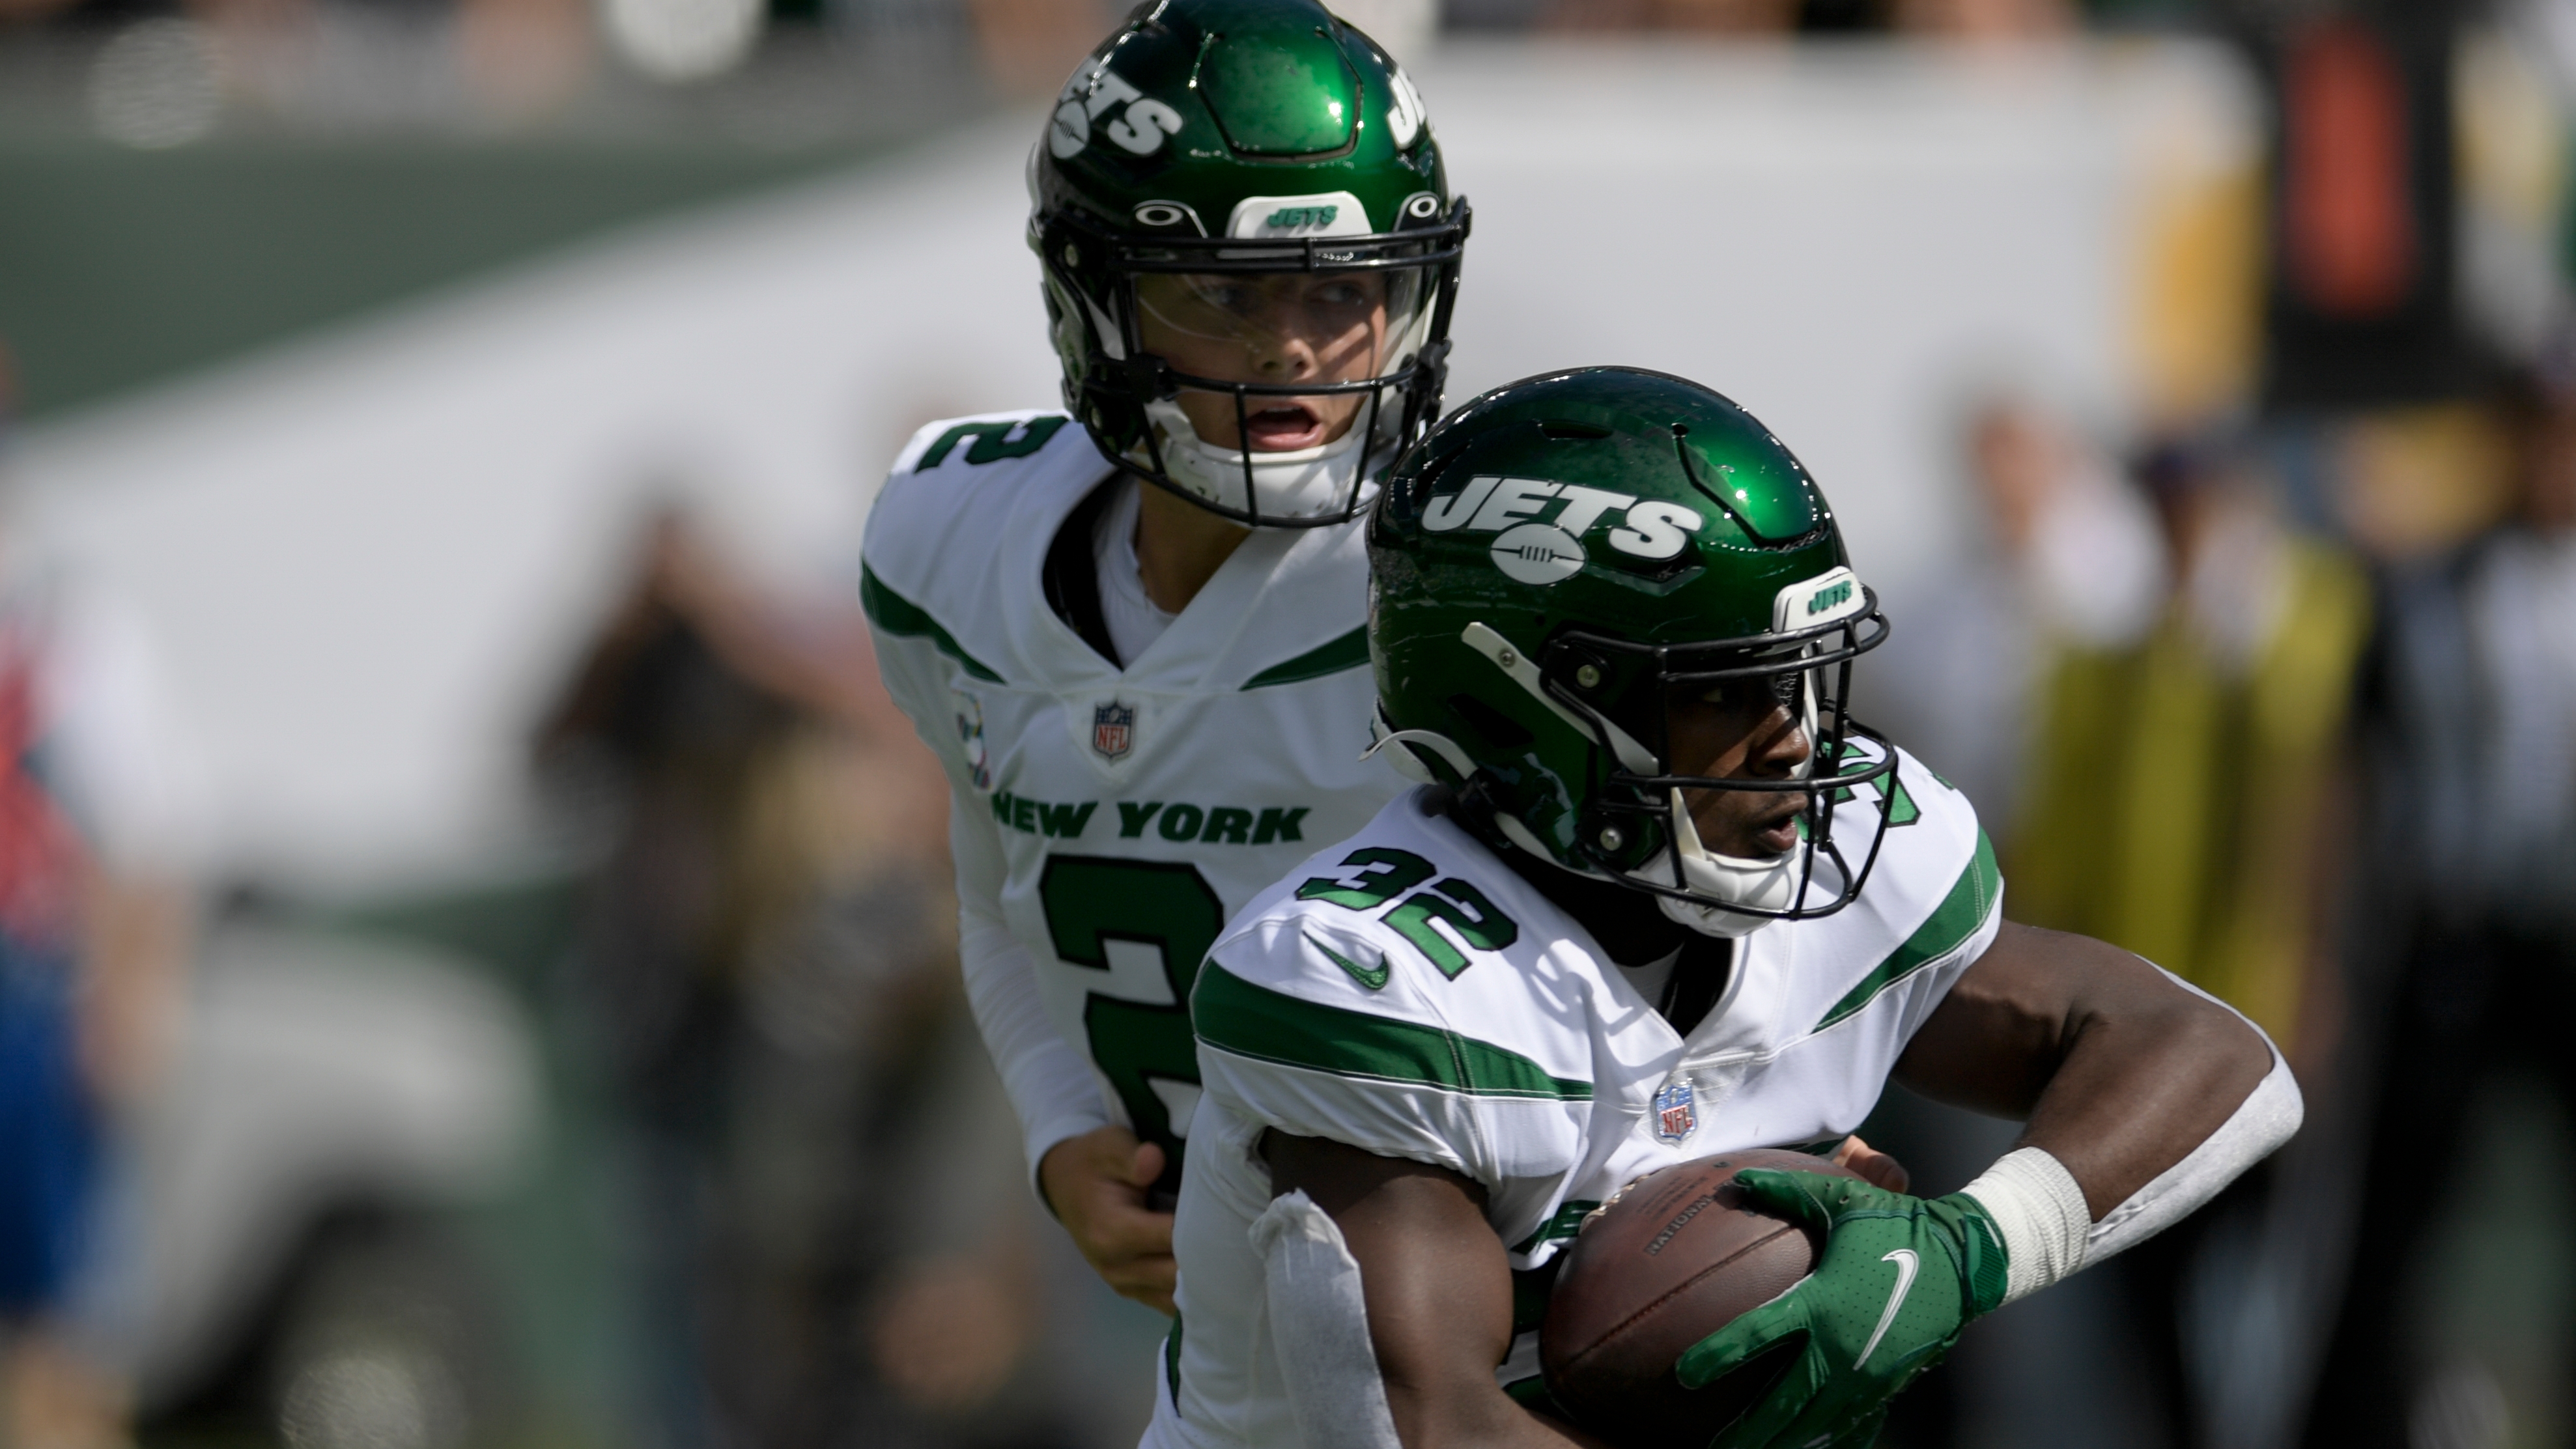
x=1674, y=1116
x=970, y=736
x=1113, y=730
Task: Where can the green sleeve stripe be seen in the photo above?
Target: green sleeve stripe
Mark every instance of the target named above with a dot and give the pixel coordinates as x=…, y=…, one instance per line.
x=900, y=616
x=1348, y=652
x=1233, y=1015
x=1950, y=925
x=1567, y=1222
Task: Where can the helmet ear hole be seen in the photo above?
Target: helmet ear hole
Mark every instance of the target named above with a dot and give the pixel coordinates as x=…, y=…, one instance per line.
x=1498, y=728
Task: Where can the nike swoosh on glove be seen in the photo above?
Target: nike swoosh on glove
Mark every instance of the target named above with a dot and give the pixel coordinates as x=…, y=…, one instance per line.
x=1899, y=1277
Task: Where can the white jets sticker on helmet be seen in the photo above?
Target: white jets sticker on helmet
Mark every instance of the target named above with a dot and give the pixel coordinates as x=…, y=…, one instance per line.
x=1322, y=213
x=1544, y=550
x=1139, y=127
x=1513, y=499
x=1404, y=117
x=1655, y=530
x=1538, y=553
x=1831, y=595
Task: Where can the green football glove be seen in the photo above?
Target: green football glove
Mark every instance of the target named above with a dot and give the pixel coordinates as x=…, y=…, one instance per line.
x=1900, y=1275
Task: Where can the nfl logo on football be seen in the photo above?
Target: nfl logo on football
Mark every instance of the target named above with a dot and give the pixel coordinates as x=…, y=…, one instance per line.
x=1674, y=1118
x=1113, y=730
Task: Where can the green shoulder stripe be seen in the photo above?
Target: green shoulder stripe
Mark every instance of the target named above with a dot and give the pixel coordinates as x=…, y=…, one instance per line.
x=1233, y=1015
x=1950, y=924
x=898, y=615
x=1348, y=652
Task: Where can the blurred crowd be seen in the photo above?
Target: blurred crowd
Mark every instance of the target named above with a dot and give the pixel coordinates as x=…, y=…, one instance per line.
x=164, y=73
x=2280, y=694
x=2320, y=770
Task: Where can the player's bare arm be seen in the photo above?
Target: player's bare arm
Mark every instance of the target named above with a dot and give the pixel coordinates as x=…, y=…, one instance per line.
x=2119, y=1071
x=1438, y=1288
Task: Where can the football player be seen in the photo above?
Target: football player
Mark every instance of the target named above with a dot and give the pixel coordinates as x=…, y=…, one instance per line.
x=1133, y=630
x=1658, y=898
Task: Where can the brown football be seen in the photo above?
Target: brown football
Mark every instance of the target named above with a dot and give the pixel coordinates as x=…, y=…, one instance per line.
x=1678, y=1256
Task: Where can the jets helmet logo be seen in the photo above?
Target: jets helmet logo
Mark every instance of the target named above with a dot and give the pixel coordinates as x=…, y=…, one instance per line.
x=1538, y=553
x=1530, y=549
x=1113, y=730
x=1139, y=126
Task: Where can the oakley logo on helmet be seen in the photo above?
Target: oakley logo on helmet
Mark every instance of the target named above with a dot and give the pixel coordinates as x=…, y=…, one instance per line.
x=1140, y=127
x=1652, y=530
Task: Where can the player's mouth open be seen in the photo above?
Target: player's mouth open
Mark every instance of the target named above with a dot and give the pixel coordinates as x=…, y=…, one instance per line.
x=1778, y=834
x=1282, y=427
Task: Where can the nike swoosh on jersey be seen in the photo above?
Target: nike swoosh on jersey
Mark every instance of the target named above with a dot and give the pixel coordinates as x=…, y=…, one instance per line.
x=1361, y=974
x=1906, y=1265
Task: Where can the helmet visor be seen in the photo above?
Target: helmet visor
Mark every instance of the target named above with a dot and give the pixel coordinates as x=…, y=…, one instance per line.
x=1245, y=347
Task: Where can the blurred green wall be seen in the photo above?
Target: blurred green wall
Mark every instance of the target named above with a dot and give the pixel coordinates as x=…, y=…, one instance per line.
x=120, y=268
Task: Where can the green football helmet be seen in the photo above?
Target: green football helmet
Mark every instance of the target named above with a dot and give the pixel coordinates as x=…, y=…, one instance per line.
x=1563, y=558
x=1218, y=175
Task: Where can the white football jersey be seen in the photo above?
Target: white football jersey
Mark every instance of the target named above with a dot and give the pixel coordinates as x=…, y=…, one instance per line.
x=1405, y=992
x=1133, y=810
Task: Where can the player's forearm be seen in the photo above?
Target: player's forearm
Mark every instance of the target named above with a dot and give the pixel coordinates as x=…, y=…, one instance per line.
x=2118, y=1069
x=2144, y=1097
x=2150, y=1073
x=1052, y=1089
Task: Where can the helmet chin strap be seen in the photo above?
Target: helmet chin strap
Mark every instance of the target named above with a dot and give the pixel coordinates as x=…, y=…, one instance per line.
x=1729, y=880
x=1298, y=483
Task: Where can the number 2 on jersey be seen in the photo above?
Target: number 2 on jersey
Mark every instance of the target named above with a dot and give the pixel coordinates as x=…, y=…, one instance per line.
x=1111, y=915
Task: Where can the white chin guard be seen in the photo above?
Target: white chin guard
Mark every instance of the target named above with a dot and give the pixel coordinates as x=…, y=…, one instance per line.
x=1302, y=483
x=1724, y=881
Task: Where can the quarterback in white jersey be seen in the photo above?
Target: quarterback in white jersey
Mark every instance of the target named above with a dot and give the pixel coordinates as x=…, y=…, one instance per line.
x=1658, y=899
x=1133, y=630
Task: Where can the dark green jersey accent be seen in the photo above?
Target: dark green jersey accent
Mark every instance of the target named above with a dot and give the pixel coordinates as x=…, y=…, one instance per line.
x=1901, y=809
x=1370, y=878
x=1567, y=1221
x=1372, y=977
x=1463, y=909
x=994, y=441
x=1332, y=657
x=1093, y=900
x=1234, y=1015
x=898, y=615
x=1949, y=926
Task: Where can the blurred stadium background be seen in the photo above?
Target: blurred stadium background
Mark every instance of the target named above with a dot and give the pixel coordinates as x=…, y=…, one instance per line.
x=466, y=411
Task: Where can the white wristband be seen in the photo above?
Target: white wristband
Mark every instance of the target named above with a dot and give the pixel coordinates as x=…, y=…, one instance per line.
x=2039, y=1212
